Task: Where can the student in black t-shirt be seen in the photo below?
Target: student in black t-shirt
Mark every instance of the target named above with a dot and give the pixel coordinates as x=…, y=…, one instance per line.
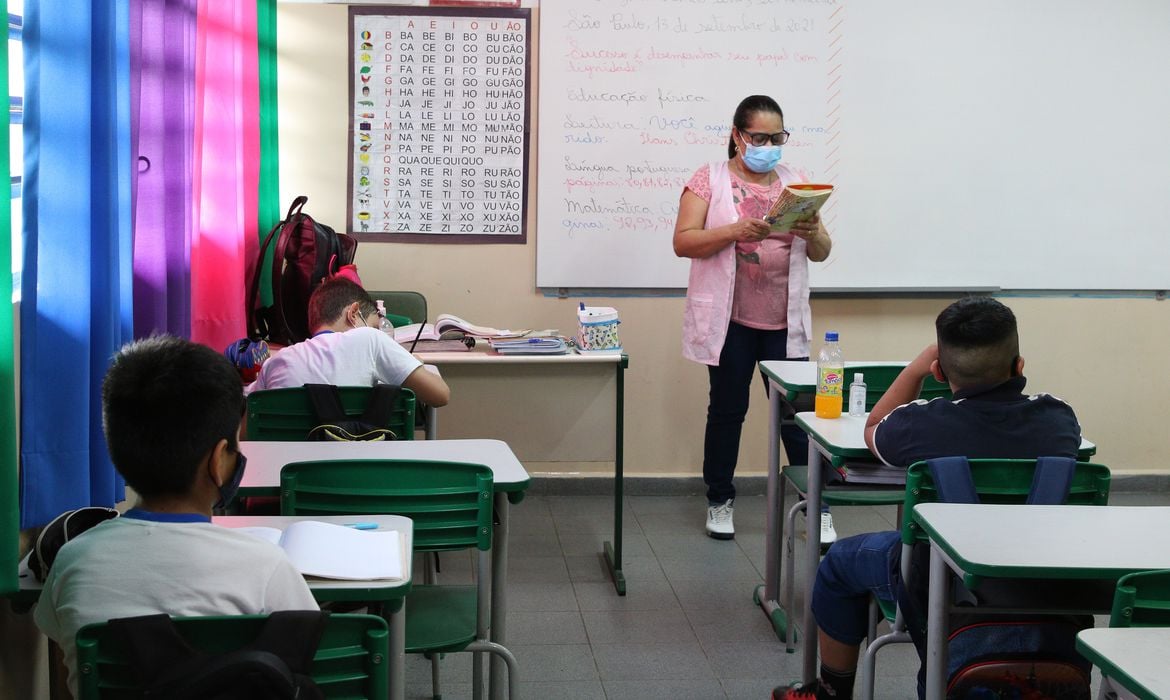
x=990, y=416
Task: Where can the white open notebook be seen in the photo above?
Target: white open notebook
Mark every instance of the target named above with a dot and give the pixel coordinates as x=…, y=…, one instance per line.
x=333, y=551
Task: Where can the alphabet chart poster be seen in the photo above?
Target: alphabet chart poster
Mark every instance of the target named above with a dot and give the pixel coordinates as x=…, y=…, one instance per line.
x=438, y=137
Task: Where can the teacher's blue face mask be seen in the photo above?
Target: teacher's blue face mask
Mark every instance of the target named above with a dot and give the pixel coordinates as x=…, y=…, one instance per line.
x=760, y=159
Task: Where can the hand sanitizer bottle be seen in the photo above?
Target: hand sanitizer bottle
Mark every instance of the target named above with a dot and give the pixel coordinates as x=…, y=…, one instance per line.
x=385, y=324
x=857, y=395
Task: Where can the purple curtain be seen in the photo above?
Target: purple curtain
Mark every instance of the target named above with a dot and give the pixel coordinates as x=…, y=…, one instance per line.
x=162, y=112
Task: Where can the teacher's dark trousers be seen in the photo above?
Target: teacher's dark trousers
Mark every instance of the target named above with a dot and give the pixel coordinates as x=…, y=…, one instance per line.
x=731, y=383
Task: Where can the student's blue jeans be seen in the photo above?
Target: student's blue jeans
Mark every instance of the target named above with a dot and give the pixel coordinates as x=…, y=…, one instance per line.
x=731, y=383
x=854, y=568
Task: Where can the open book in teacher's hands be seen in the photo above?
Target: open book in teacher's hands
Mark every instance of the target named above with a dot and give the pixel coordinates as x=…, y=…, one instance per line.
x=326, y=550
x=449, y=322
x=797, y=202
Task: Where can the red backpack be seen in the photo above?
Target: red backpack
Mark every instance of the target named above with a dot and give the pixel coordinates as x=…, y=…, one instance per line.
x=306, y=252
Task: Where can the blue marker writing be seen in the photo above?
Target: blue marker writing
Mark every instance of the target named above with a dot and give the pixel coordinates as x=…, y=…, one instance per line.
x=363, y=526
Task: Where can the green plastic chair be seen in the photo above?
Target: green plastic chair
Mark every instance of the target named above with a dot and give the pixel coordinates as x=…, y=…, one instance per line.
x=1142, y=600
x=878, y=379
x=451, y=506
x=352, y=660
x=1006, y=481
x=403, y=308
x=287, y=414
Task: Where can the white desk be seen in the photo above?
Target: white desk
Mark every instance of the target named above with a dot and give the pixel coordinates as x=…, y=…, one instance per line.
x=1021, y=541
x=1131, y=657
x=789, y=379
x=266, y=459
x=487, y=360
x=391, y=592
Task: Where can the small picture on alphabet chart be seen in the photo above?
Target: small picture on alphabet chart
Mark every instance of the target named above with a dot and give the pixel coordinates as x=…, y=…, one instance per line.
x=439, y=106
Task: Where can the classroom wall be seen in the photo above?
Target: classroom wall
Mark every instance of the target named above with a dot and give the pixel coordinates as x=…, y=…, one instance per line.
x=1076, y=348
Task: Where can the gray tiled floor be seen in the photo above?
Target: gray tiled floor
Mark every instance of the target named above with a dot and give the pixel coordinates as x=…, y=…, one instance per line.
x=687, y=627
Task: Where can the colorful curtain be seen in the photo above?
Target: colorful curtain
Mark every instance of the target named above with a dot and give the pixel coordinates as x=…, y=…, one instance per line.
x=162, y=114
x=76, y=287
x=227, y=169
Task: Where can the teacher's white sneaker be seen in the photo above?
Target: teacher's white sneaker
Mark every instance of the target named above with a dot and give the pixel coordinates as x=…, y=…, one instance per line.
x=719, y=523
x=828, y=533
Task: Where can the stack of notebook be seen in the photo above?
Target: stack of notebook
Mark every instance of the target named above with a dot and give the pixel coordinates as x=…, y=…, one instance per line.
x=529, y=346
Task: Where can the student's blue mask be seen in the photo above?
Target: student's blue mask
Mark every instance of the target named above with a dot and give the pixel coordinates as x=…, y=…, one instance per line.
x=761, y=159
x=228, y=489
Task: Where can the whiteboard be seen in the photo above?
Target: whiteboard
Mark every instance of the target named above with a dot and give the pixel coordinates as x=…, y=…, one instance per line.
x=974, y=143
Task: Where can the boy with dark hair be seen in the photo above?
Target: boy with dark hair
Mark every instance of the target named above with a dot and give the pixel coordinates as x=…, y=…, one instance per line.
x=171, y=413
x=347, y=348
x=989, y=417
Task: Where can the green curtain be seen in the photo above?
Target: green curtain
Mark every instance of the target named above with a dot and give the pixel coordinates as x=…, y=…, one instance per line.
x=269, y=209
x=9, y=515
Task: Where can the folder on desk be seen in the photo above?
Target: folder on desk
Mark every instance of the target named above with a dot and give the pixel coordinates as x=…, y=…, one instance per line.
x=529, y=346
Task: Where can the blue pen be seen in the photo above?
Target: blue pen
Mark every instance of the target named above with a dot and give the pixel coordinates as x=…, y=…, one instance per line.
x=363, y=526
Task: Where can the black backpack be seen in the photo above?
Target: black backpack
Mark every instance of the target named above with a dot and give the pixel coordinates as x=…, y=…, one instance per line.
x=334, y=424
x=60, y=530
x=305, y=253
x=275, y=666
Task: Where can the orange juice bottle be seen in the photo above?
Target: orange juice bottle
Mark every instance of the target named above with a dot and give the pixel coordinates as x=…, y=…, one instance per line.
x=830, y=378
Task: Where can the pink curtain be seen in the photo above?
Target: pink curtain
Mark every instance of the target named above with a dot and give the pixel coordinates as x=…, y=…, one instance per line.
x=226, y=169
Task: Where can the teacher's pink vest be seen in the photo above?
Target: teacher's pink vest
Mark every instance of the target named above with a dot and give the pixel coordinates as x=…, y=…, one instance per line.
x=712, y=283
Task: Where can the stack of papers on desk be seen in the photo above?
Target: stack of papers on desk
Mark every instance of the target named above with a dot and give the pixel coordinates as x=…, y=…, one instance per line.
x=529, y=346
x=872, y=472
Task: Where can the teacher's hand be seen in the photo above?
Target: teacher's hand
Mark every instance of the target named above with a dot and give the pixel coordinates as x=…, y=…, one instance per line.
x=749, y=229
x=808, y=228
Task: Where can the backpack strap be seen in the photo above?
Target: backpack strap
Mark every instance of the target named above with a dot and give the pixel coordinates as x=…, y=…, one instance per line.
x=952, y=479
x=381, y=405
x=326, y=399
x=293, y=635
x=1051, y=481
x=258, y=325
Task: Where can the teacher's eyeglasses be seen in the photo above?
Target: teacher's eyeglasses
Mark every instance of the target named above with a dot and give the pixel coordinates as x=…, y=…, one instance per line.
x=762, y=139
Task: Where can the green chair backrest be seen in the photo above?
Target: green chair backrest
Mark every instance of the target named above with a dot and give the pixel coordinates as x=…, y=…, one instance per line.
x=1000, y=481
x=878, y=379
x=352, y=660
x=287, y=414
x=449, y=502
x=1142, y=600
x=403, y=308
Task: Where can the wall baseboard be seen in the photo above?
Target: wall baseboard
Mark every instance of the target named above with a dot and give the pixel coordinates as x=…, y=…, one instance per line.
x=602, y=484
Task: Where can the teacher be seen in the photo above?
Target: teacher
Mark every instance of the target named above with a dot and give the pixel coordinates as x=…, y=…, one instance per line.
x=747, y=298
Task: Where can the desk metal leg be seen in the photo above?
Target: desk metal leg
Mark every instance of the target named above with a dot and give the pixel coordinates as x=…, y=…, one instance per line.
x=613, y=552
x=936, y=621
x=499, y=618
x=432, y=432
x=812, y=558
x=397, y=621
x=774, y=522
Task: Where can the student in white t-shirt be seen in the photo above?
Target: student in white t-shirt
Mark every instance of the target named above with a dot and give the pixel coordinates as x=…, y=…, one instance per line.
x=347, y=348
x=171, y=411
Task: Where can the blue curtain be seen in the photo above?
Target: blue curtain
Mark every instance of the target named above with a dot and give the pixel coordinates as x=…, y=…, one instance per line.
x=77, y=285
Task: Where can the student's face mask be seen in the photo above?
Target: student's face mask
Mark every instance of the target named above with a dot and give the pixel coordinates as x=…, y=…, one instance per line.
x=228, y=489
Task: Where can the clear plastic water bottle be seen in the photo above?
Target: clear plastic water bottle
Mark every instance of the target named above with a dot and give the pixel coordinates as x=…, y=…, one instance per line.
x=830, y=378
x=857, y=395
x=385, y=324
